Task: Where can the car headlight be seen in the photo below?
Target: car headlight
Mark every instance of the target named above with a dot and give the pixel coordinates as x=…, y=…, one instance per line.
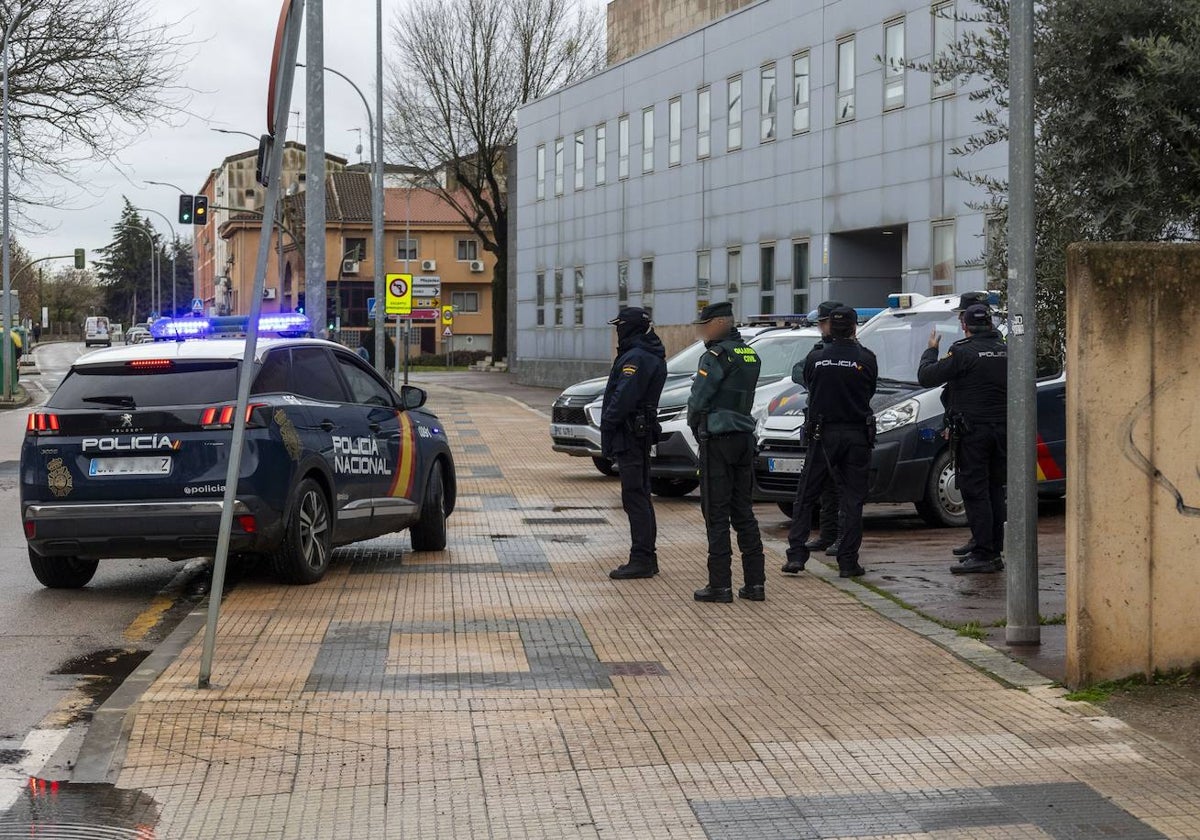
x=593, y=412
x=898, y=416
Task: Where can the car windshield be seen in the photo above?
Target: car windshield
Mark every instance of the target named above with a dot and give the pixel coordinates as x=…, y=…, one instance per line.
x=780, y=351
x=686, y=360
x=899, y=338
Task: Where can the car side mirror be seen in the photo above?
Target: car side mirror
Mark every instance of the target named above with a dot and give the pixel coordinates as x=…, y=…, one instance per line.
x=412, y=397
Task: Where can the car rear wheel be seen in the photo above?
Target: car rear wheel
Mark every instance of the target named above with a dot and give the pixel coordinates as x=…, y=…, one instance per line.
x=672, y=488
x=303, y=556
x=429, y=534
x=605, y=466
x=62, y=572
x=943, y=503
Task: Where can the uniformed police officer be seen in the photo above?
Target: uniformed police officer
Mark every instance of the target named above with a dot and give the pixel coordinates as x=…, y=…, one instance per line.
x=629, y=427
x=827, y=539
x=975, y=373
x=719, y=416
x=840, y=431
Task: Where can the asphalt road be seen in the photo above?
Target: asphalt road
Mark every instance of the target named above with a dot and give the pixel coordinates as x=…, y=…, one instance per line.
x=41, y=630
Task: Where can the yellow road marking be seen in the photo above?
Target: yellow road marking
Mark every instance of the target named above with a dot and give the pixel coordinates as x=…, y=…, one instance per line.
x=141, y=626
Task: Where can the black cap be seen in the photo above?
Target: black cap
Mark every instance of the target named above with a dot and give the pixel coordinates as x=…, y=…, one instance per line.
x=968, y=299
x=826, y=308
x=721, y=309
x=842, y=321
x=977, y=315
x=631, y=315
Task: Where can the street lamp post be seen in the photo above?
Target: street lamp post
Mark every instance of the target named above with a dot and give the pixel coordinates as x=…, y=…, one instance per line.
x=7, y=249
x=153, y=258
x=175, y=245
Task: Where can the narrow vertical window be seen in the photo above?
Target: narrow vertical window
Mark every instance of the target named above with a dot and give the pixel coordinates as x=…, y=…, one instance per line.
x=541, y=298
x=893, y=65
x=601, y=154
x=767, y=281
x=623, y=147
x=767, y=104
x=800, y=93
x=558, y=297
x=942, y=273
x=845, y=80
x=579, y=296
x=648, y=140
x=558, y=166
x=733, y=270
x=703, y=122
x=703, y=279
x=541, y=172
x=579, y=160
x=648, y=283
x=674, y=131
x=800, y=277
x=734, y=140
x=623, y=283
x=943, y=40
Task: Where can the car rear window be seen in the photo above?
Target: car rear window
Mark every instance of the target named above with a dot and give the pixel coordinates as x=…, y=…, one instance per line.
x=119, y=386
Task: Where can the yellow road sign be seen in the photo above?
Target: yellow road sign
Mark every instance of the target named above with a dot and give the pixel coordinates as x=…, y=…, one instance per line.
x=399, y=294
x=447, y=315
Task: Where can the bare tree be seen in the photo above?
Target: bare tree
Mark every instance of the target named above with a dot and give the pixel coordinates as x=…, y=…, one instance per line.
x=85, y=77
x=467, y=66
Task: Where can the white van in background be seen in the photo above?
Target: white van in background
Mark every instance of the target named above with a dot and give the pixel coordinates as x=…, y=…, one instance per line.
x=96, y=331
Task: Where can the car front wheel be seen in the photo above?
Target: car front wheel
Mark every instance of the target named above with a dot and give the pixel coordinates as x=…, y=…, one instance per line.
x=672, y=488
x=429, y=534
x=303, y=556
x=943, y=503
x=62, y=572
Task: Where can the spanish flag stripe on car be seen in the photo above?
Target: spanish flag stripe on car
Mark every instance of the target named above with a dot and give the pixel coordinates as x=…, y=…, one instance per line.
x=406, y=469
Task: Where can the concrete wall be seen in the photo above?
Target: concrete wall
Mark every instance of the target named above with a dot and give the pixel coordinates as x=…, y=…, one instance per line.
x=1133, y=451
x=635, y=26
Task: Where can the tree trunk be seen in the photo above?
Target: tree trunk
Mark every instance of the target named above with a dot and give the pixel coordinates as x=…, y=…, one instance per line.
x=500, y=302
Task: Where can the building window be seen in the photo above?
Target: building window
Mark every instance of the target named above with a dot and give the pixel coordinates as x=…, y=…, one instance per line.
x=468, y=250
x=845, y=80
x=467, y=303
x=942, y=274
x=893, y=65
x=703, y=279
x=733, y=271
x=406, y=249
x=767, y=275
x=579, y=297
x=623, y=147
x=558, y=166
x=800, y=93
x=354, y=249
x=767, y=104
x=648, y=140
x=558, y=297
x=623, y=283
x=541, y=172
x=800, y=277
x=540, y=299
x=674, y=131
x=703, y=123
x=601, y=154
x=579, y=160
x=734, y=140
x=648, y=283
x=943, y=40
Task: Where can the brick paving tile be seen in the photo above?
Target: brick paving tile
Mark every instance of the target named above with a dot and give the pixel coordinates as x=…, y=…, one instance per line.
x=506, y=688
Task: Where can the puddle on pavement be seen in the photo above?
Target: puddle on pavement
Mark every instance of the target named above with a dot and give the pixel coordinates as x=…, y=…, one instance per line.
x=102, y=672
x=61, y=810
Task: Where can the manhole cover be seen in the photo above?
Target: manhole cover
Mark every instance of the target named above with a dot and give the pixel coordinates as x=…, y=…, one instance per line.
x=636, y=669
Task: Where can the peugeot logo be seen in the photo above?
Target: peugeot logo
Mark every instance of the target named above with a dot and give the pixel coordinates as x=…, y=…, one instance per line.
x=126, y=421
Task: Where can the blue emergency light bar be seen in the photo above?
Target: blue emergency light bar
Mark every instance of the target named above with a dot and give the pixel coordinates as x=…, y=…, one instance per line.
x=169, y=329
x=287, y=324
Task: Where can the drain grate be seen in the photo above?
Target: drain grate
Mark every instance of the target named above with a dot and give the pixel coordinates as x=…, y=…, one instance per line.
x=565, y=520
x=636, y=669
x=12, y=756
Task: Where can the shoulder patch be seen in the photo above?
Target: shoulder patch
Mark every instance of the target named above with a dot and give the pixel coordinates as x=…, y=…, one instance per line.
x=629, y=370
x=716, y=351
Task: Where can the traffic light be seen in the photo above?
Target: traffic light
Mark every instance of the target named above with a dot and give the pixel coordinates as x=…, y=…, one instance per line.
x=200, y=216
x=80, y=259
x=186, y=206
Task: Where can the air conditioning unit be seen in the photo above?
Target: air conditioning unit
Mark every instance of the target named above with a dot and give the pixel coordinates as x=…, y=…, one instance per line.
x=349, y=266
x=269, y=294
x=477, y=266
x=429, y=265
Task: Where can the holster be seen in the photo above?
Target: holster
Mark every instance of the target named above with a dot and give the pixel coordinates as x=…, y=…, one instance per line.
x=813, y=427
x=871, y=431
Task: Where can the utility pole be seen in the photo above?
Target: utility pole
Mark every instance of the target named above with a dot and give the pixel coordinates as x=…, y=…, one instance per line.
x=315, y=288
x=6, y=336
x=1021, y=548
x=377, y=221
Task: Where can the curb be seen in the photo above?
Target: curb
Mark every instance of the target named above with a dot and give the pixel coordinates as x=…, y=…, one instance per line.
x=18, y=401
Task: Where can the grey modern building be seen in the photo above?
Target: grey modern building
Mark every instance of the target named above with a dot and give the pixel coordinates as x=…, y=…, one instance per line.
x=780, y=155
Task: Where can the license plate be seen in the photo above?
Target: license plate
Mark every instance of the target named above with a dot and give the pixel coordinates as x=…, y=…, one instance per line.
x=149, y=465
x=562, y=431
x=785, y=465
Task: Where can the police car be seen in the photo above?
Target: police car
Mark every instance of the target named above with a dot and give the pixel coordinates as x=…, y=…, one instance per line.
x=911, y=461
x=128, y=458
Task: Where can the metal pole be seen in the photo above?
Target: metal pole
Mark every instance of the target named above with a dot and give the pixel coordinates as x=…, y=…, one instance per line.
x=1023, y=626
x=315, y=287
x=145, y=233
x=283, y=96
x=7, y=248
x=408, y=271
x=377, y=221
x=175, y=242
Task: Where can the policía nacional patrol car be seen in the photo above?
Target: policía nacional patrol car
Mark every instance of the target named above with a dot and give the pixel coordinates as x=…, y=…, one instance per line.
x=128, y=458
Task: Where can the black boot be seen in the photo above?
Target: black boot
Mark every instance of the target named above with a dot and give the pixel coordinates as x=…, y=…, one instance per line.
x=965, y=549
x=833, y=549
x=852, y=572
x=753, y=593
x=632, y=571
x=977, y=563
x=715, y=595
x=818, y=544
x=793, y=567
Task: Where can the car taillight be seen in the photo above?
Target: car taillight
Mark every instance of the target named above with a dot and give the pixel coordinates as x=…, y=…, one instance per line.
x=221, y=417
x=150, y=364
x=248, y=523
x=42, y=423
x=30, y=529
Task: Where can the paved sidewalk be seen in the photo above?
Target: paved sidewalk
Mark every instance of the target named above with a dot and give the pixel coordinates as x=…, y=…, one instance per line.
x=507, y=688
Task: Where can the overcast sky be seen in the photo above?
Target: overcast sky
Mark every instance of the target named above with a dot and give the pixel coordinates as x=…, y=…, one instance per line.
x=229, y=73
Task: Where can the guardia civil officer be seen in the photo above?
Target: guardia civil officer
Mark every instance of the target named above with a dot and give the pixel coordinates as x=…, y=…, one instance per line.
x=975, y=373
x=840, y=430
x=629, y=427
x=827, y=538
x=719, y=416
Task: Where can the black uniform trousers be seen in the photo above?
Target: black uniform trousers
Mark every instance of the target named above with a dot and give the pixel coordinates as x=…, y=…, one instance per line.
x=634, y=467
x=981, y=472
x=831, y=501
x=842, y=455
x=727, y=495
